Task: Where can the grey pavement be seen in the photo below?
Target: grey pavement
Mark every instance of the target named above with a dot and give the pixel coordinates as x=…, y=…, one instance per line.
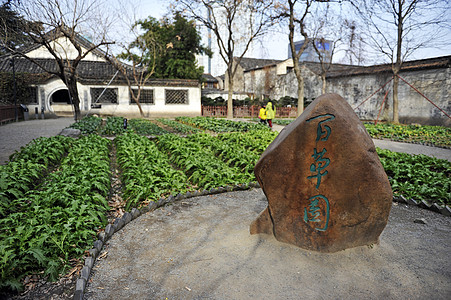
x=201, y=248
x=18, y=134
x=414, y=149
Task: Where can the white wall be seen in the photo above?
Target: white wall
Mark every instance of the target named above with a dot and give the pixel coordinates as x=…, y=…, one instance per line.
x=66, y=50
x=123, y=107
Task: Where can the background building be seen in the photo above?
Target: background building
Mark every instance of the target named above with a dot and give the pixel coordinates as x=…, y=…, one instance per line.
x=309, y=54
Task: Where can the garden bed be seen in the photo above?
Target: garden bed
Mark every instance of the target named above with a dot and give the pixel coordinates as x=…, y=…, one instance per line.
x=60, y=204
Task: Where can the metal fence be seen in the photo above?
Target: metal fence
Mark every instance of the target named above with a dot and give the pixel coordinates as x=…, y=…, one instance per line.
x=246, y=111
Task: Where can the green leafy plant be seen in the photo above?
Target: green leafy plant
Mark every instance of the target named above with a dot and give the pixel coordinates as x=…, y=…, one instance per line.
x=114, y=126
x=146, y=173
x=283, y=122
x=435, y=135
x=179, y=127
x=199, y=163
x=56, y=222
x=419, y=177
x=220, y=125
x=88, y=125
x=146, y=127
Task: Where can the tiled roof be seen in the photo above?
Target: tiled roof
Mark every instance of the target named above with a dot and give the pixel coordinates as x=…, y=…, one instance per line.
x=430, y=63
x=339, y=70
x=209, y=78
x=256, y=63
x=89, y=72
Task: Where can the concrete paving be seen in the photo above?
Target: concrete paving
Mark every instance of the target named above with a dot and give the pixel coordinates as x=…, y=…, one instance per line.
x=200, y=248
x=18, y=134
x=414, y=149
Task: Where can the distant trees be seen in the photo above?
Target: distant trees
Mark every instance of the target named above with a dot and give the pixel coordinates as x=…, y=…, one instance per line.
x=235, y=24
x=182, y=42
x=52, y=24
x=12, y=25
x=162, y=49
x=295, y=13
x=396, y=29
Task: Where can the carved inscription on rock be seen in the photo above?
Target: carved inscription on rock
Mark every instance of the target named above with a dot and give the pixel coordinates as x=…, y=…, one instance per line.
x=326, y=188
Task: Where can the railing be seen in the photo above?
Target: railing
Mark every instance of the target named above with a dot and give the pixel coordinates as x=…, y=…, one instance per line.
x=246, y=111
x=8, y=113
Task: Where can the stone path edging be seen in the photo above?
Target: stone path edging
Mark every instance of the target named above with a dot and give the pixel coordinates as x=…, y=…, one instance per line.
x=127, y=217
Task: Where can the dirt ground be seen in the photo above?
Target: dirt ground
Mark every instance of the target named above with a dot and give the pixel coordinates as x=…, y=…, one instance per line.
x=201, y=248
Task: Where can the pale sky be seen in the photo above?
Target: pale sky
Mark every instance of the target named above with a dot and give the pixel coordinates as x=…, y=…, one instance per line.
x=274, y=46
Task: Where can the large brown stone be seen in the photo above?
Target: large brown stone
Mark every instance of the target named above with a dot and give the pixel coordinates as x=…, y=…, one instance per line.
x=326, y=188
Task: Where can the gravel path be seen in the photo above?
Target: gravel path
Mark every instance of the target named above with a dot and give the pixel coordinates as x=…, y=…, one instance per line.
x=200, y=248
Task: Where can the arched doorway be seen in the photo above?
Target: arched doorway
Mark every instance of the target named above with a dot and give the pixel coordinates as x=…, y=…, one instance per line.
x=60, y=97
x=60, y=102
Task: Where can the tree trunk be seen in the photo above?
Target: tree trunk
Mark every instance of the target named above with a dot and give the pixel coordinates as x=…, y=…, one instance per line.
x=395, y=99
x=230, y=100
x=136, y=98
x=300, y=95
x=323, y=88
x=300, y=79
x=73, y=93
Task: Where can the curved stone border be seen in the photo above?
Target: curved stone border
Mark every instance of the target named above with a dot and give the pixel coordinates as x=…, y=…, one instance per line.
x=127, y=217
x=444, y=210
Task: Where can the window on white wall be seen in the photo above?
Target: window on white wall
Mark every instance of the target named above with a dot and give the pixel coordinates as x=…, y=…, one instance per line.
x=108, y=95
x=146, y=96
x=176, y=96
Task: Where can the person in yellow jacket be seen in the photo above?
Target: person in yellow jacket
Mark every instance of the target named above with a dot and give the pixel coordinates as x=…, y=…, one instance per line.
x=262, y=115
x=270, y=113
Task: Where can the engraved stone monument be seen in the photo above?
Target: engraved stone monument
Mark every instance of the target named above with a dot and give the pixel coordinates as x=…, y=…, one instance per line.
x=326, y=188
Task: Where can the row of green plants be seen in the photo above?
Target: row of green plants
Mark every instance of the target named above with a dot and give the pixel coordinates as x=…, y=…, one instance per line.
x=220, y=125
x=88, y=125
x=235, y=156
x=435, y=135
x=146, y=173
x=256, y=140
x=204, y=169
x=146, y=127
x=418, y=177
x=179, y=127
x=27, y=167
x=115, y=126
x=50, y=219
x=58, y=219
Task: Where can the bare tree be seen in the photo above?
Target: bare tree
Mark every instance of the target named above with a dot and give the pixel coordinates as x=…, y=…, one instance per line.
x=235, y=24
x=398, y=28
x=297, y=21
x=353, y=43
x=137, y=53
x=329, y=30
x=59, y=21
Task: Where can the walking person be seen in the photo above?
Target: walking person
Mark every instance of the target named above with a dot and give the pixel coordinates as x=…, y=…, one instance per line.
x=270, y=113
x=262, y=115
